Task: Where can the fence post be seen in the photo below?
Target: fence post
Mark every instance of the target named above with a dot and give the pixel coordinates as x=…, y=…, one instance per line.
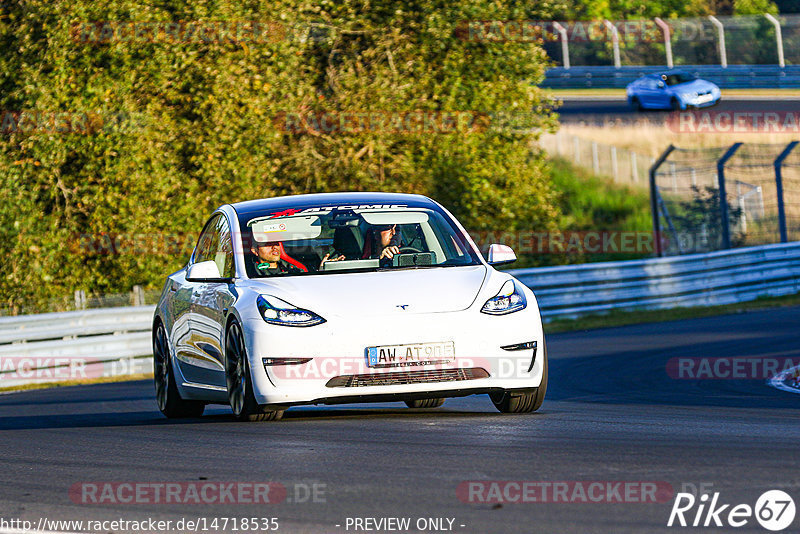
x=80, y=299
x=667, y=43
x=779, y=190
x=723, y=55
x=778, y=38
x=576, y=146
x=595, y=158
x=562, y=31
x=654, y=199
x=723, y=198
x=614, y=168
x=674, y=174
x=615, y=43
x=138, y=296
x=634, y=166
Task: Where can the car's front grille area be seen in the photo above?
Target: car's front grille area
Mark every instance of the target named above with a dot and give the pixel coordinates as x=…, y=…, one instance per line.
x=407, y=377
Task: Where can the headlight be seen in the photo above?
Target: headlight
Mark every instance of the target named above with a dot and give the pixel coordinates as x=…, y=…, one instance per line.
x=508, y=300
x=688, y=96
x=277, y=311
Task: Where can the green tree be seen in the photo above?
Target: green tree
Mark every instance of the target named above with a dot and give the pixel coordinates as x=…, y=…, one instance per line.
x=175, y=128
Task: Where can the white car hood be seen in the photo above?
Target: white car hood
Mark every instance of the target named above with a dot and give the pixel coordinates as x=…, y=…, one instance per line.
x=442, y=289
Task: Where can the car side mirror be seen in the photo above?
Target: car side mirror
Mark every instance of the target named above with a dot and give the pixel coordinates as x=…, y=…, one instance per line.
x=501, y=254
x=203, y=272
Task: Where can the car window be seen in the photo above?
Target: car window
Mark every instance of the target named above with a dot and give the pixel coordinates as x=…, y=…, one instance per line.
x=215, y=245
x=294, y=242
x=677, y=78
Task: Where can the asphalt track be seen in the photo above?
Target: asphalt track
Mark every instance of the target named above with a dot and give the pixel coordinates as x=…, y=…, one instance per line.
x=599, y=111
x=612, y=414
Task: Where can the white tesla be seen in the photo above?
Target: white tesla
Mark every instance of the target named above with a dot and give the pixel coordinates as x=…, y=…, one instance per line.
x=343, y=297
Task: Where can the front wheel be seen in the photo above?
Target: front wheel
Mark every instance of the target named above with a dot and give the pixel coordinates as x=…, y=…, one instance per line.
x=169, y=399
x=509, y=401
x=239, y=383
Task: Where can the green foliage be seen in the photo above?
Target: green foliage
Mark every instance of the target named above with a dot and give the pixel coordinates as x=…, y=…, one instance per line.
x=754, y=7
x=198, y=127
x=701, y=216
x=590, y=204
x=635, y=9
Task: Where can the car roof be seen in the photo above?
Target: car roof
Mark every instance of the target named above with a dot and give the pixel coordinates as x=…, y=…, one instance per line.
x=256, y=207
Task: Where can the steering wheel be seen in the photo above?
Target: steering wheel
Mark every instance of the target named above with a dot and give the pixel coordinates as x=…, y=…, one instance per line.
x=410, y=249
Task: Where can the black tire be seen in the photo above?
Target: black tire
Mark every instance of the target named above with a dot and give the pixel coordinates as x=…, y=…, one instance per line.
x=167, y=395
x=674, y=104
x=516, y=402
x=636, y=104
x=424, y=403
x=239, y=383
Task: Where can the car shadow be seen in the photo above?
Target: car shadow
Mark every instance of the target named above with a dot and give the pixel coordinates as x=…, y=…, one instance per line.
x=297, y=414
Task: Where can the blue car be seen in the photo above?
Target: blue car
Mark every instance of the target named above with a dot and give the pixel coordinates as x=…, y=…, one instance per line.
x=672, y=90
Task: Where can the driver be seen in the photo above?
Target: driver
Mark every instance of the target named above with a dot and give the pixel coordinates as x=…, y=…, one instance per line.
x=384, y=242
x=271, y=260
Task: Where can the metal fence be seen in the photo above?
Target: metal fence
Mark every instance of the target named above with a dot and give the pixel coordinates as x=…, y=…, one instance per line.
x=723, y=41
x=52, y=347
x=722, y=277
x=622, y=165
x=720, y=198
x=81, y=300
x=730, y=77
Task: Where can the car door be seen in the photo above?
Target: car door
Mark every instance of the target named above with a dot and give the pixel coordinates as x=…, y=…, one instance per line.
x=199, y=356
x=648, y=93
x=210, y=302
x=179, y=303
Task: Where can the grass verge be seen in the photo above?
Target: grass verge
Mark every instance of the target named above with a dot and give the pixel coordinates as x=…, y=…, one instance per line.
x=624, y=318
x=651, y=138
x=104, y=380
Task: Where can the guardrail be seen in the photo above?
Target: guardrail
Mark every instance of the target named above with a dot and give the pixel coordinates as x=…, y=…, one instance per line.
x=730, y=77
x=52, y=347
x=722, y=277
x=116, y=341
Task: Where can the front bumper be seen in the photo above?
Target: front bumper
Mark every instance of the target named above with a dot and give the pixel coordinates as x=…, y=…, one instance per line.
x=338, y=372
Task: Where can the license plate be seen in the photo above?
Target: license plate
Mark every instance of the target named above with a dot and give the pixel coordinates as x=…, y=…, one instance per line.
x=702, y=99
x=411, y=354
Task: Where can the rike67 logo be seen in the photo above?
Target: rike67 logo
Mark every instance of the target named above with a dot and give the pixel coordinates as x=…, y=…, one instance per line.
x=774, y=510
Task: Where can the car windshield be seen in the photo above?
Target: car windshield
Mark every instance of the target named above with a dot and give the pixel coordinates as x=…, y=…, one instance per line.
x=677, y=78
x=342, y=239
